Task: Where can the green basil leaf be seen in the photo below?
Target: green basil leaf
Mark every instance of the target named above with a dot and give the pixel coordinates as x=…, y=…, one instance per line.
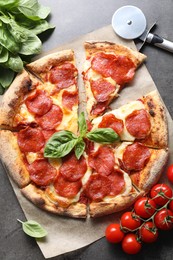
x=60, y=144
x=79, y=149
x=14, y=63
x=31, y=46
x=33, y=229
x=41, y=26
x=4, y=56
x=6, y=77
x=103, y=136
x=82, y=124
x=8, y=3
x=7, y=40
x=33, y=10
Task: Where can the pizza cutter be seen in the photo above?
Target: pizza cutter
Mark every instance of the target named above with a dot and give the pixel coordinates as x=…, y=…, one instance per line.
x=129, y=22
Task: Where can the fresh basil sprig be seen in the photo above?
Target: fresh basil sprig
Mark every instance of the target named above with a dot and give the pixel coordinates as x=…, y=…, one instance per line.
x=63, y=142
x=33, y=229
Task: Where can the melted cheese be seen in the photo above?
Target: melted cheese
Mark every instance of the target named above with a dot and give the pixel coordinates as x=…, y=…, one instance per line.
x=24, y=115
x=120, y=150
x=122, y=113
x=31, y=157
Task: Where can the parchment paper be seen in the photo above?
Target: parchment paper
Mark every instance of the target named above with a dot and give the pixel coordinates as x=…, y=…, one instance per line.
x=66, y=234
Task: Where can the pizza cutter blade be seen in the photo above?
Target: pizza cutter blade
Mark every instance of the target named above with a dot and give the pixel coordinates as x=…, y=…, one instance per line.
x=130, y=23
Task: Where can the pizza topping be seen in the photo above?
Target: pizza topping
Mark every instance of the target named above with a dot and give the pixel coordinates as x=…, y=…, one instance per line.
x=138, y=124
x=98, y=108
x=135, y=157
x=101, y=89
x=63, y=76
x=30, y=139
x=51, y=119
x=69, y=99
x=48, y=133
x=73, y=169
x=98, y=187
x=41, y=172
x=118, y=67
x=66, y=188
x=102, y=161
x=117, y=182
x=38, y=103
x=111, y=121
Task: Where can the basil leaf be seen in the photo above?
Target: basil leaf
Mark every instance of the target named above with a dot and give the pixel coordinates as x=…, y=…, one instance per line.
x=60, y=144
x=33, y=10
x=82, y=124
x=41, y=26
x=14, y=63
x=8, y=3
x=7, y=40
x=4, y=55
x=31, y=46
x=103, y=135
x=79, y=149
x=6, y=77
x=33, y=229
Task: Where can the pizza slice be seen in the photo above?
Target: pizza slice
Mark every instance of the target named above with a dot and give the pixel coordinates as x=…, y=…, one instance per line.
x=121, y=174
x=108, y=67
x=142, y=120
x=51, y=184
x=29, y=101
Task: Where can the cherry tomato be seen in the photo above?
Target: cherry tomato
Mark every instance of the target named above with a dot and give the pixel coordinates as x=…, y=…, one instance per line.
x=130, y=244
x=159, y=192
x=113, y=233
x=169, y=173
x=171, y=205
x=149, y=232
x=164, y=219
x=145, y=207
x=130, y=221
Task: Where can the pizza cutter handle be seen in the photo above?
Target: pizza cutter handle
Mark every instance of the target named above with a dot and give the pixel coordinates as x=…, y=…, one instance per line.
x=159, y=42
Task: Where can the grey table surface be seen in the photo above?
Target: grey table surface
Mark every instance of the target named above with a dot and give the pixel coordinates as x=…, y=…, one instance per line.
x=74, y=18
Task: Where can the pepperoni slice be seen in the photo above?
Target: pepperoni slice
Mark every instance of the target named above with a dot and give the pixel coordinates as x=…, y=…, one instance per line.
x=30, y=139
x=117, y=182
x=110, y=121
x=51, y=119
x=99, y=108
x=38, y=103
x=63, y=76
x=135, y=157
x=138, y=124
x=48, y=133
x=97, y=187
x=41, y=172
x=118, y=67
x=66, y=188
x=102, y=161
x=69, y=99
x=101, y=89
x=73, y=169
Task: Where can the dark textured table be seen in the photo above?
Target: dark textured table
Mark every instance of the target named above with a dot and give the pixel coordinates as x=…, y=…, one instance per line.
x=72, y=19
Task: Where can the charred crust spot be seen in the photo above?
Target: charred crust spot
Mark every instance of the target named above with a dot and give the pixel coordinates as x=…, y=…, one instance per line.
x=40, y=202
x=150, y=104
x=152, y=113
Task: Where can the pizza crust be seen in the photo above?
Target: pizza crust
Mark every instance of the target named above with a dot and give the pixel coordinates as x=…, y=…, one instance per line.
x=94, y=47
x=21, y=85
x=12, y=158
x=47, y=62
x=151, y=174
x=121, y=202
x=158, y=137
x=38, y=197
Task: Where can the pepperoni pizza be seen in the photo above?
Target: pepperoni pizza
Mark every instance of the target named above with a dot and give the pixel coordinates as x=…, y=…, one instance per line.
x=43, y=100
